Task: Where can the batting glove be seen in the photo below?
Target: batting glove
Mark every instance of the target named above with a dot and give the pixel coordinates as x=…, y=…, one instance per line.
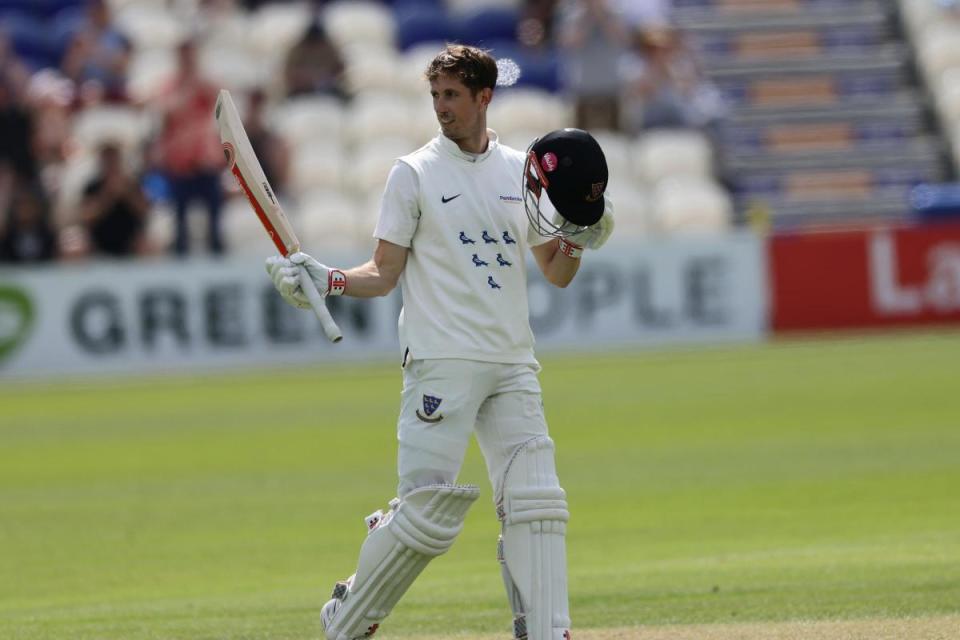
x=593, y=237
x=287, y=274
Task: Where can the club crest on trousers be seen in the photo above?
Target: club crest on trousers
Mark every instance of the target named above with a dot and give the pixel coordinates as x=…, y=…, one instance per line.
x=430, y=406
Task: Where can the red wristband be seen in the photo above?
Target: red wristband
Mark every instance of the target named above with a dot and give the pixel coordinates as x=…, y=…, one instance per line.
x=569, y=249
x=336, y=283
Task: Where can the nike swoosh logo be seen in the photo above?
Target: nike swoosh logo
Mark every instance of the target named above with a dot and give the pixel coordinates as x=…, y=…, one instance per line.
x=445, y=199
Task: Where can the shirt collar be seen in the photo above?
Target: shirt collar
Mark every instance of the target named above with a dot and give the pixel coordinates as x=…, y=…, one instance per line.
x=453, y=149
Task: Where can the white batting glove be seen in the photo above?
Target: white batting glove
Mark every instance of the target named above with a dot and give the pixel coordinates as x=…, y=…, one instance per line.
x=287, y=276
x=593, y=237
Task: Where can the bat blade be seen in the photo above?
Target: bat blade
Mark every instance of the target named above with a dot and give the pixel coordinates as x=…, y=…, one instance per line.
x=245, y=167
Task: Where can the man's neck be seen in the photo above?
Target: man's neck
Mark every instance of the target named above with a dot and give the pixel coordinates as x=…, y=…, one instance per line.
x=476, y=143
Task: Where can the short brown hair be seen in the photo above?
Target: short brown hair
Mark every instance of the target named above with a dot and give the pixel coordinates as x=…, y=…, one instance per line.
x=475, y=67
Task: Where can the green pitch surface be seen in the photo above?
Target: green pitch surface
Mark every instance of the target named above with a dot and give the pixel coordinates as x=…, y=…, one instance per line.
x=802, y=480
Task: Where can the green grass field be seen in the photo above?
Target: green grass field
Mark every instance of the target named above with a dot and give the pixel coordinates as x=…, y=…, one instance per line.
x=813, y=480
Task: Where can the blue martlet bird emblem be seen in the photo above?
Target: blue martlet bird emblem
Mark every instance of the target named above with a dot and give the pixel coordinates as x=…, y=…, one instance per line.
x=465, y=239
x=477, y=262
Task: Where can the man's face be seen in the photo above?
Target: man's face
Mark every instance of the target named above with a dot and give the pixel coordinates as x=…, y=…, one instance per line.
x=459, y=112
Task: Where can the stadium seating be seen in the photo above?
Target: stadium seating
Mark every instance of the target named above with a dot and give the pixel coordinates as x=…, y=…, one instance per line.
x=827, y=119
x=317, y=165
x=148, y=71
x=125, y=126
x=369, y=23
x=484, y=25
x=419, y=24
x=342, y=151
x=150, y=26
x=666, y=153
x=689, y=204
x=308, y=120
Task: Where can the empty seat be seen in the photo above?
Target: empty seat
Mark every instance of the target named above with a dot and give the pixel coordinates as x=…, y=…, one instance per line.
x=369, y=23
x=458, y=6
x=149, y=70
x=520, y=139
x=947, y=95
x=617, y=150
x=150, y=26
x=690, y=203
x=486, y=24
x=528, y=110
x=309, y=119
x=328, y=220
x=665, y=153
x=370, y=165
x=424, y=25
x=631, y=211
x=32, y=40
x=377, y=115
x=374, y=71
x=124, y=126
x=412, y=65
x=938, y=48
x=243, y=233
x=315, y=165
x=276, y=27
x=235, y=68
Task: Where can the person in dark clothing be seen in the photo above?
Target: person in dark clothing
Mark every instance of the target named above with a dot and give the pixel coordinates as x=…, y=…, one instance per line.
x=27, y=234
x=16, y=133
x=114, y=208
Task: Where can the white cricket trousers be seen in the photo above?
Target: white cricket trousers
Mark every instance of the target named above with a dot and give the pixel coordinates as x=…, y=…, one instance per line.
x=444, y=401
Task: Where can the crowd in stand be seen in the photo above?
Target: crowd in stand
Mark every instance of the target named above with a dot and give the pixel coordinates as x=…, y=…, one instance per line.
x=622, y=66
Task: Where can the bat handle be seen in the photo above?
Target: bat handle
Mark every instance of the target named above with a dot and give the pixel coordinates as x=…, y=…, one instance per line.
x=320, y=307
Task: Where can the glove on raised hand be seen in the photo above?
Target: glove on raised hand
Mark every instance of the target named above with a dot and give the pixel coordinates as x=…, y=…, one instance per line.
x=287, y=274
x=593, y=237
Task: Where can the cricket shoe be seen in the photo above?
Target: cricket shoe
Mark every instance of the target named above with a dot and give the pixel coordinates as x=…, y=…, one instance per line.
x=340, y=592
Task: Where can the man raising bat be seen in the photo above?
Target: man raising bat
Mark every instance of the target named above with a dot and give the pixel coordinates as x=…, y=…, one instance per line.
x=452, y=232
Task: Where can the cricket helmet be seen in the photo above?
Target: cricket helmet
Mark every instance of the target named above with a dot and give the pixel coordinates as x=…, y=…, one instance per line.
x=570, y=166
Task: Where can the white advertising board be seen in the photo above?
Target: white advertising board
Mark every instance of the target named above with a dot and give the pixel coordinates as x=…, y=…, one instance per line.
x=196, y=315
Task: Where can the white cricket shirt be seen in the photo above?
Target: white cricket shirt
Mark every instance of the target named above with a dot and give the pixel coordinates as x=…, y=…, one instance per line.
x=464, y=286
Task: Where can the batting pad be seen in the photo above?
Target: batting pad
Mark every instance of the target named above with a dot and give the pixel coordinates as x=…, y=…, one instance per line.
x=420, y=527
x=532, y=546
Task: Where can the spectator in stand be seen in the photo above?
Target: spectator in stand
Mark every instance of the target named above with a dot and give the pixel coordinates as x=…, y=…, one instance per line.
x=50, y=99
x=592, y=38
x=664, y=85
x=272, y=151
x=13, y=71
x=98, y=57
x=638, y=14
x=314, y=65
x=188, y=148
x=16, y=133
x=114, y=208
x=536, y=23
x=27, y=234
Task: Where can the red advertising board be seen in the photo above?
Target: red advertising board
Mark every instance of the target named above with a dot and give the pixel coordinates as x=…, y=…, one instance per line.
x=894, y=276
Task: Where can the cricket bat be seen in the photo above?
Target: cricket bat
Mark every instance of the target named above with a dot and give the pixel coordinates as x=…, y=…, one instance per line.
x=245, y=167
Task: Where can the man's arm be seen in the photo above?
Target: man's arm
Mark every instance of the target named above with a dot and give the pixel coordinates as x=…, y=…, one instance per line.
x=559, y=258
x=380, y=275
x=558, y=268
